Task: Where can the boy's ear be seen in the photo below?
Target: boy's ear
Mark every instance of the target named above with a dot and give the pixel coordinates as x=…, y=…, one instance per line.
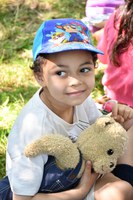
x=39, y=78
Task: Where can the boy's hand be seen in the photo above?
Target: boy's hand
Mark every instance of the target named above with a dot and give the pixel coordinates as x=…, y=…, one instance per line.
x=120, y=112
x=88, y=179
x=123, y=114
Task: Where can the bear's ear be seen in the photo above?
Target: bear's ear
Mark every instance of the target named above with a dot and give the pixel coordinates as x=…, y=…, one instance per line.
x=104, y=121
x=107, y=123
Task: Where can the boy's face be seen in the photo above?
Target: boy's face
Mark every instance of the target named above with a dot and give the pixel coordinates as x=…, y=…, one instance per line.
x=68, y=77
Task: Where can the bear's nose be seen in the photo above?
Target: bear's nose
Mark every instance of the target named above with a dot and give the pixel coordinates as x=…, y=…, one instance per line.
x=111, y=164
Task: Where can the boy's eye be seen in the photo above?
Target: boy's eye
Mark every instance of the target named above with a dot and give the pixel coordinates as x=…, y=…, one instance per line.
x=85, y=70
x=61, y=73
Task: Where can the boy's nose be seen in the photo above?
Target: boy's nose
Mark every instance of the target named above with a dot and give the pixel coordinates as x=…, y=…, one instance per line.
x=74, y=81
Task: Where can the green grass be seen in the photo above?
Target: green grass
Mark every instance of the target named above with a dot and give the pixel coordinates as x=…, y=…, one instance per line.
x=19, y=21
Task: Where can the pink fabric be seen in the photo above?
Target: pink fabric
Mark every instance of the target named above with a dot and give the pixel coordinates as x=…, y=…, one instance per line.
x=98, y=11
x=96, y=7
x=117, y=81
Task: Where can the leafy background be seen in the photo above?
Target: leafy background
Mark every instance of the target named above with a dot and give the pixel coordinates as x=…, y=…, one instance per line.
x=19, y=20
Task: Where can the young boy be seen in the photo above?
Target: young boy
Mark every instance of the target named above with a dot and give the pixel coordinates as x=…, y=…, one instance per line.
x=64, y=62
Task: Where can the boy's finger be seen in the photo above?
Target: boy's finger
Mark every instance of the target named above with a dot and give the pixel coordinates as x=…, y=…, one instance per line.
x=114, y=110
x=119, y=119
x=88, y=175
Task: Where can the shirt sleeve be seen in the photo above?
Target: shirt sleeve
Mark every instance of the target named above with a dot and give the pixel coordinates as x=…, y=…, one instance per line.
x=106, y=39
x=91, y=109
x=102, y=45
x=25, y=174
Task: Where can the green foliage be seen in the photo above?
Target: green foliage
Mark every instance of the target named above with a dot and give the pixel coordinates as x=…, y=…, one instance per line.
x=19, y=33
x=71, y=8
x=3, y=144
x=11, y=102
x=98, y=90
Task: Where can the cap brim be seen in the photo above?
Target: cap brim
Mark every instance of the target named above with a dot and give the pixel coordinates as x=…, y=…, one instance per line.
x=69, y=46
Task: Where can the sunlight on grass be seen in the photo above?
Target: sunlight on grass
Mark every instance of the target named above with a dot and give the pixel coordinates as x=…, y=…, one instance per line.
x=16, y=74
x=3, y=143
x=9, y=112
x=98, y=90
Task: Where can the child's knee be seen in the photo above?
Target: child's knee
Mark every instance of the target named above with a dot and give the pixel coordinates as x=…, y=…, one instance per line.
x=120, y=190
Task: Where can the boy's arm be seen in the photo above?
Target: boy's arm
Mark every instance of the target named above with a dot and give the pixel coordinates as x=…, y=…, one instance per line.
x=79, y=193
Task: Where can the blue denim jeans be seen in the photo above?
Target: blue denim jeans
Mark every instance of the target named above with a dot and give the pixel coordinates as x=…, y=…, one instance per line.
x=54, y=179
x=5, y=190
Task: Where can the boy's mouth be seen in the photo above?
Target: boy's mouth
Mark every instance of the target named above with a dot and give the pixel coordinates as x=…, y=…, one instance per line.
x=76, y=93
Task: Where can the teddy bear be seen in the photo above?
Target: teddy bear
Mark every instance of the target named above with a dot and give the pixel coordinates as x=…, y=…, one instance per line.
x=102, y=143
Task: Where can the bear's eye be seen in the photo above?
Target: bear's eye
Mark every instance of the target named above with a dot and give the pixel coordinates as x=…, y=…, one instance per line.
x=110, y=152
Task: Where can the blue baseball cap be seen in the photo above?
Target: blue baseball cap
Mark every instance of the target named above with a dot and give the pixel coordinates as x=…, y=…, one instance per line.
x=58, y=35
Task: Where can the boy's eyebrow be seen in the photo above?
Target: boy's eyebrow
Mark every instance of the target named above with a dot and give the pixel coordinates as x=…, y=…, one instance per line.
x=85, y=63
x=62, y=65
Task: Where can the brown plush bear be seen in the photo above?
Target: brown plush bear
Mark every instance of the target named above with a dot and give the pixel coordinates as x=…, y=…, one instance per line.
x=102, y=143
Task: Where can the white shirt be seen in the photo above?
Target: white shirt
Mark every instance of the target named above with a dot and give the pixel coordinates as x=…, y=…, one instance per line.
x=35, y=120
